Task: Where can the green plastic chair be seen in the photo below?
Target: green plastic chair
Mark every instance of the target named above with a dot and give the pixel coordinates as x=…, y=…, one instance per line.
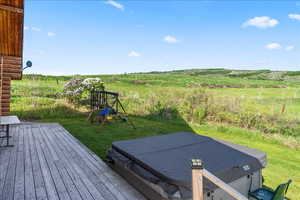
x=266, y=194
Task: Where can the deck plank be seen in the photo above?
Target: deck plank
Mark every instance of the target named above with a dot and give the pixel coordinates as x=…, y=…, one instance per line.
x=49, y=184
x=58, y=182
x=9, y=183
x=79, y=166
x=20, y=168
x=29, y=182
x=112, y=179
x=70, y=185
x=39, y=183
x=48, y=163
x=93, y=174
x=5, y=154
x=61, y=165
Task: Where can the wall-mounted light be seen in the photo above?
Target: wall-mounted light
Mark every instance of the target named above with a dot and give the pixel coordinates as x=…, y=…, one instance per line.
x=28, y=65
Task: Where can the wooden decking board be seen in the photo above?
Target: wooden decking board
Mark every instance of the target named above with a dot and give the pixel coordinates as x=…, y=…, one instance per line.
x=91, y=162
x=125, y=191
x=4, y=162
x=81, y=168
x=93, y=174
x=71, y=187
x=39, y=183
x=72, y=174
x=49, y=184
x=48, y=163
x=58, y=182
x=29, y=181
x=69, y=170
x=63, y=184
x=9, y=183
x=20, y=178
x=98, y=179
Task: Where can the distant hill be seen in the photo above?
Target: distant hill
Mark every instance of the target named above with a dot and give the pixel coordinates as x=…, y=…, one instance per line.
x=293, y=76
x=265, y=74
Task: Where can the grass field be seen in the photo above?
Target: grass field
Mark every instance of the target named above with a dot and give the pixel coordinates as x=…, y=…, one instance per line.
x=251, y=110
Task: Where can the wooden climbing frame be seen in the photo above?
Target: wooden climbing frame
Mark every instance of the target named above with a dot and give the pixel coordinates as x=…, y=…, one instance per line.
x=102, y=99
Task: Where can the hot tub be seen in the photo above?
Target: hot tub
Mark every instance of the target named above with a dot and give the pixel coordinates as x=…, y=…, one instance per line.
x=159, y=166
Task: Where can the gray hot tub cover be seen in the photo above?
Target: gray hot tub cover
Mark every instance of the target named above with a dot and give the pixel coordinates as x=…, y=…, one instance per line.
x=168, y=157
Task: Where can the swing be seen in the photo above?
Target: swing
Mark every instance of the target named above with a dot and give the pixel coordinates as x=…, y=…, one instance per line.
x=106, y=105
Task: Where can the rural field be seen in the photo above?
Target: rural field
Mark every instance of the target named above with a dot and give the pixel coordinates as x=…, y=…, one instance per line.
x=259, y=109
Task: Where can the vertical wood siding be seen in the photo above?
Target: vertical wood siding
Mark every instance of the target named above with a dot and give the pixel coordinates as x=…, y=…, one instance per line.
x=14, y=3
x=11, y=48
x=11, y=29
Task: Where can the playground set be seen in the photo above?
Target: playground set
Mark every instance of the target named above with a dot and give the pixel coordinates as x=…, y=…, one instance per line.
x=106, y=105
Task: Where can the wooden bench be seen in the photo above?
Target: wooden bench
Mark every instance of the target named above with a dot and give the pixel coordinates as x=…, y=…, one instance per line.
x=6, y=121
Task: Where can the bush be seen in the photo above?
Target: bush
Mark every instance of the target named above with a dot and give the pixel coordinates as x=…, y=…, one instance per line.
x=77, y=90
x=161, y=111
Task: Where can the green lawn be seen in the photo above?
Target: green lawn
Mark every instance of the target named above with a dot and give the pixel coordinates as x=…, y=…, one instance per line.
x=283, y=163
x=164, y=103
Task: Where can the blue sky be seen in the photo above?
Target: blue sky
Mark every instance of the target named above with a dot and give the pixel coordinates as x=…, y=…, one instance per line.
x=108, y=37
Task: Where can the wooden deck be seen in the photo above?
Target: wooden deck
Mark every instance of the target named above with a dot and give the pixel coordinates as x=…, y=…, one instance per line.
x=48, y=163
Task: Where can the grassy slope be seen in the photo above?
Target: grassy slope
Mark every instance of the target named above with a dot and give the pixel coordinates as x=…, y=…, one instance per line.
x=35, y=99
x=283, y=163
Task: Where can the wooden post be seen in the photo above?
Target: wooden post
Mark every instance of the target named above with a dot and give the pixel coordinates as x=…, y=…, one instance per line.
x=283, y=109
x=197, y=179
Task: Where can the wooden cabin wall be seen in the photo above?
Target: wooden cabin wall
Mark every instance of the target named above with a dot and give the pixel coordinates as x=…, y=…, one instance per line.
x=11, y=48
x=10, y=70
x=11, y=28
x=14, y=3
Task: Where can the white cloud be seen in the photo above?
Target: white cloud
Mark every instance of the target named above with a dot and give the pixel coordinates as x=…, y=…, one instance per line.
x=134, y=54
x=26, y=27
x=272, y=46
x=115, y=4
x=170, y=39
x=261, y=22
x=294, y=16
x=35, y=29
x=290, y=48
x=51, y=34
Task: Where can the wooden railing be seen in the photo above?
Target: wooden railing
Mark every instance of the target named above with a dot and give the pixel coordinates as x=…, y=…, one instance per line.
x=198, y=173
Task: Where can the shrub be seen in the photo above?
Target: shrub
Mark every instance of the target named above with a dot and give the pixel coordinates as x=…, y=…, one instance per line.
x=77, y=90
x=162, y=111
x=90, y=84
